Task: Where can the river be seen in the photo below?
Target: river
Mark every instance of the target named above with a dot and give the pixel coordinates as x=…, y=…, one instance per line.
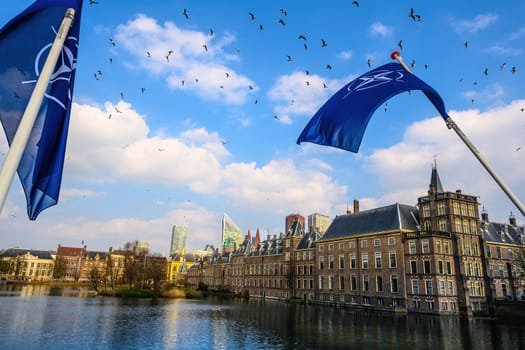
x=41, y=317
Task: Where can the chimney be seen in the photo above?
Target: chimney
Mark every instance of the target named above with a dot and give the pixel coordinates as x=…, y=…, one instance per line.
x=356, y=206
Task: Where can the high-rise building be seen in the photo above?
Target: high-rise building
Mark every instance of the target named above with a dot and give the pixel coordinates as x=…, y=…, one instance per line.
x=318, y=223
x=178, y=239
x=290, y=220
x=231, y=235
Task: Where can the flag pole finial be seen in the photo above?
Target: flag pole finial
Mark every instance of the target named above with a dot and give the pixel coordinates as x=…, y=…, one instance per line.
x=395, y=55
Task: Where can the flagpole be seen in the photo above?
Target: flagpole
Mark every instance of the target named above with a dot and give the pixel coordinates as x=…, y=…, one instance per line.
x=18, y=145
x=452, y=125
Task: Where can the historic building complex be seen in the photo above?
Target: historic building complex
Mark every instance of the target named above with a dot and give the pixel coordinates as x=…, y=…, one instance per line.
x=437, y=257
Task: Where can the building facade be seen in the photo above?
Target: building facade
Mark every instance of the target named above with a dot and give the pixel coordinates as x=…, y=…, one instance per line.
x=437, y=257
x=178, y=239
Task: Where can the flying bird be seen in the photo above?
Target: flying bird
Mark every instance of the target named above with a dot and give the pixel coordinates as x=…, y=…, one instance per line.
x=92, y=2
x=305, y=46
x=466, y=44
x=148, y=54
x=276, y=117
x=356, y=3
x=185, y=13
x=283, y=11
x=142, y=90
x=212, y=33
x=252, y=16
x=400, y=44
x=227, y=74
x=413, y=63
x=328, y=66
x=281, y=21
x=112, y=42
x=513, y=69
x=486, y=71
x=323, y=43
x=122, y=95
x=205, y=47
x=412, y=14
x=261, y=27
x=117, y=110
x=289, y=58
x=301, y=36
x=502, y=66
x=369, y=62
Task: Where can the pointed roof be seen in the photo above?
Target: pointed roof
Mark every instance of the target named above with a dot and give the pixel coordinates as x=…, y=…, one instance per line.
x=257, y=238
x=434, y=179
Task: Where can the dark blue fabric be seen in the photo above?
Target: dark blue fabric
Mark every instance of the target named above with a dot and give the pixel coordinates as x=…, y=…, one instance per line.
x=342, y=120
x=24, y=46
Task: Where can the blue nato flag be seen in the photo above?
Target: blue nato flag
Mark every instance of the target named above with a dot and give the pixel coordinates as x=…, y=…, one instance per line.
x=24, y=46
x=342, y=120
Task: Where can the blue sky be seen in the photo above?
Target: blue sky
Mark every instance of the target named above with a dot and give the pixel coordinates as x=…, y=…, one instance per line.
x=213, y=128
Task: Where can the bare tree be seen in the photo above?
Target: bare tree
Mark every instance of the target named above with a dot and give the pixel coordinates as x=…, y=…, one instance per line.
x=60, y=267
x=156, y=270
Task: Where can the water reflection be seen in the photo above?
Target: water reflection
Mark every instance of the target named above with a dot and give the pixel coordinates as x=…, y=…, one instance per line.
x=39, y=319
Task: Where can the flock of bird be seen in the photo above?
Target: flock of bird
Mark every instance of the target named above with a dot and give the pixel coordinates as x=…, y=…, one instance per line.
x=251, y=16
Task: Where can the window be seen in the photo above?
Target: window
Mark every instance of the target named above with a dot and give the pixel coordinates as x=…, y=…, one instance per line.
x=441, y=208
x=353, y=282
x=441, y=287
x=442, y=223
x=331, y=282
x=393, y=259
x=440, y=266
x=352, y=245
x=428, y=286
x=342, y=282
x=377, y=242
x=379, y=283
x=426, y=246
x=501, y=272
x=449, y=267
x=426, y=211
x=378, y=260
x=438, y=247
x=426, y=264
x=394, y=284
x=298, y=284
x=341, y=262
x=447, y=247
x=498, y=252
x=321, y=282
x=321, y=262
x=364, y=258
x=473, y=227
x=415, y=287
x=455, y=207
x=353, y=261
x=391, y=241
x=413, y=266
x=341, y=246
x=450, y=288
x=427, y=225
x=366, y=285
x=464, y=209
x=465, y=226
x=458, y=225
x=364, y=244
x=511, y=256
x=331, y=262
x=330, y=247
x=412, y=247
x=321, y=248
x=491, y=270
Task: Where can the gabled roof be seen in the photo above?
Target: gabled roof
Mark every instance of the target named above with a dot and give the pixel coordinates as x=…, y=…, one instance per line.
x=295, y=230
x=393, y=217
x=497, y=232
x=14, y=252
x=308, y=240
x=69, y=251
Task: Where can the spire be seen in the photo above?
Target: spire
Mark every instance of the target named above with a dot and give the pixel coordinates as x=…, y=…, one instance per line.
x=435, y=182
x=257, y=238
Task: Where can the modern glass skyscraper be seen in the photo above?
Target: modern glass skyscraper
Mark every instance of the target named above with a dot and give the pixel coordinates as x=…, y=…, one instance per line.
x=231, y=235
x=178, y=239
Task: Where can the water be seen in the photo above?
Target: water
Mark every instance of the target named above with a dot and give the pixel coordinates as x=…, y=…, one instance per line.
x=39, y=317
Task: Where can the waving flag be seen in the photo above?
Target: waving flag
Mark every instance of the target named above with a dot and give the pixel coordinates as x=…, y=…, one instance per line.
x=25, y=43
x=342, y=120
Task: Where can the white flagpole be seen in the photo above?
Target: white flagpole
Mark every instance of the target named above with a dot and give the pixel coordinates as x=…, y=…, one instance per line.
x=18, y=145
x=452, y=125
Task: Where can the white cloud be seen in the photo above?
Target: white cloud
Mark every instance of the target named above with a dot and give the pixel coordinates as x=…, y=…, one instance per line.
x=345, y=55
x=502, y=50
x=301, y=94
x=381, y=30
x=496, y=133
x=187, y=59
x=474, y=25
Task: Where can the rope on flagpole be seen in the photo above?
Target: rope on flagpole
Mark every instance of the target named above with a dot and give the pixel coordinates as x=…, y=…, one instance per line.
x=452, y=125
x=18, y=145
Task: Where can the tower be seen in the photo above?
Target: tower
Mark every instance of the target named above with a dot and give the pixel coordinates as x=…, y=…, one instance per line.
x=178, y=239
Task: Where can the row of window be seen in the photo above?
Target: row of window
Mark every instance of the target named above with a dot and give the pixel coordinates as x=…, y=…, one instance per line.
x=365, y=283
x=392, y=261
x=463, y=209
x=352, y=244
